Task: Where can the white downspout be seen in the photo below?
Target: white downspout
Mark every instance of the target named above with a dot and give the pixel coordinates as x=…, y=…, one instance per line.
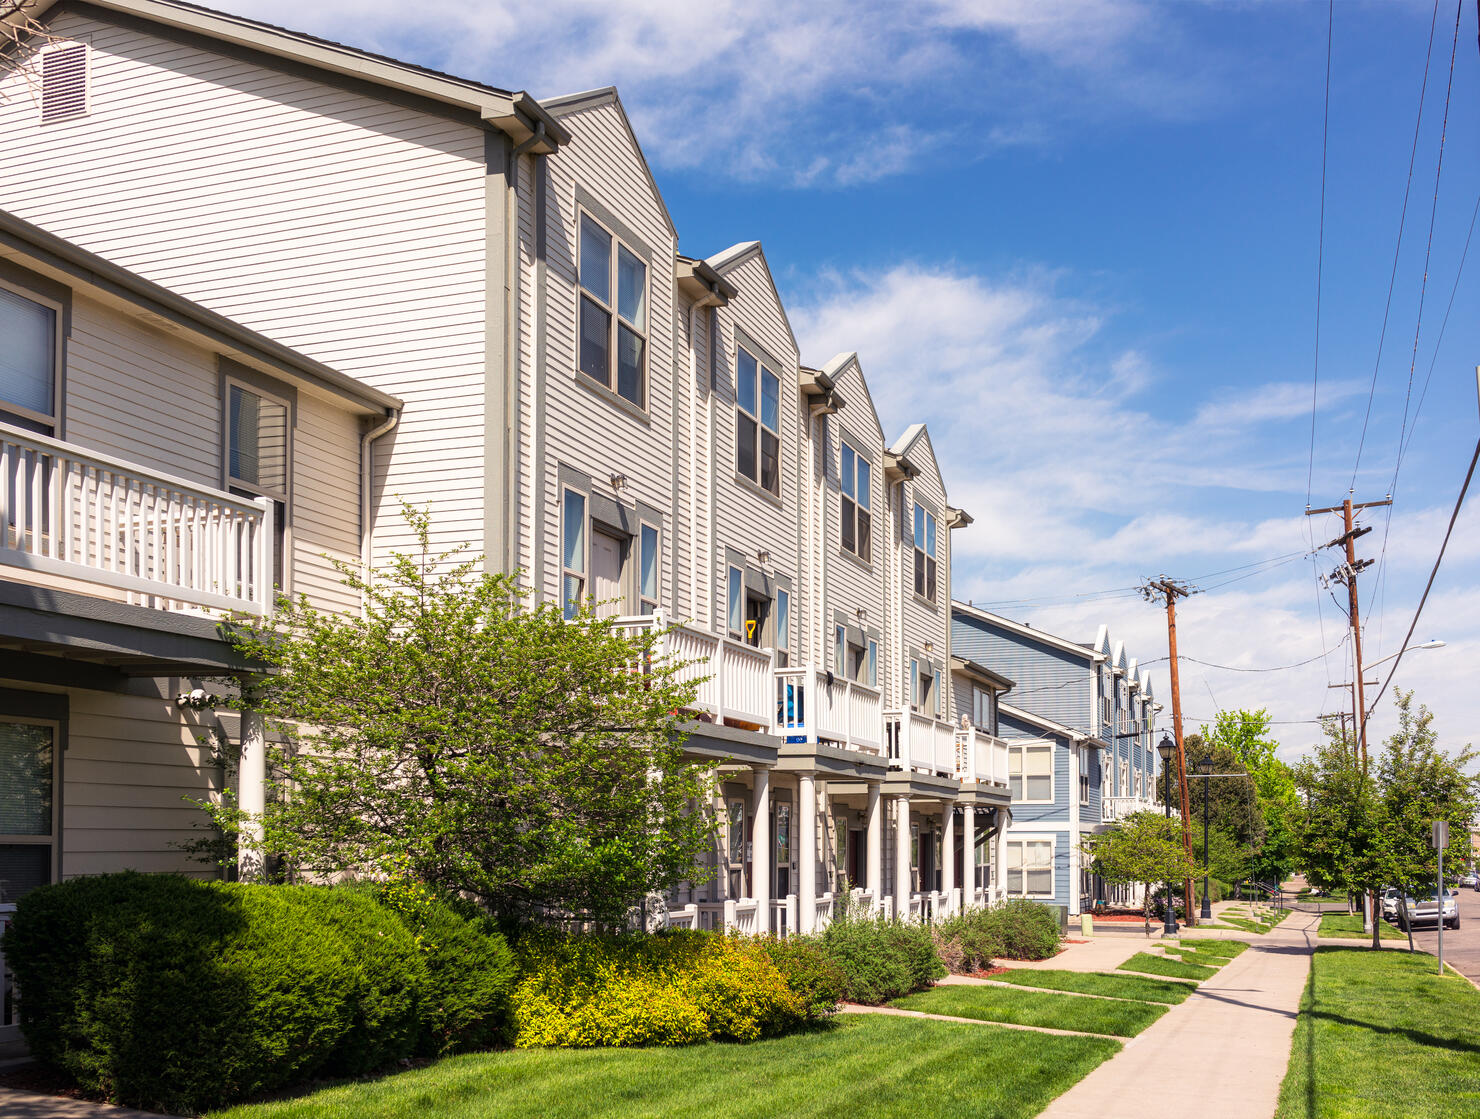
x=367, y=479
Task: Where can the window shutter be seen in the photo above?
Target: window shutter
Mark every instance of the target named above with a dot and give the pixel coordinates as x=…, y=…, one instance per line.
x=64, y=82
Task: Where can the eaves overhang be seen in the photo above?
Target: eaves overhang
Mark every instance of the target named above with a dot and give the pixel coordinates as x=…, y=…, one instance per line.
x=982, y=673
x=701, y=283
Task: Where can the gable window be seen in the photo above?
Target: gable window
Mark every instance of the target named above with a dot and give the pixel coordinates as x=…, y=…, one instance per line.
x=28, y=362
x=924, y=553
x=572, y=552
x=757, y=421
x=1030, y=772
x=857, y=518
x=613, y=313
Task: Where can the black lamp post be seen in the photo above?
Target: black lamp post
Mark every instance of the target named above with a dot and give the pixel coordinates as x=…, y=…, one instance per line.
x=1205, y=771
x=1166, y=749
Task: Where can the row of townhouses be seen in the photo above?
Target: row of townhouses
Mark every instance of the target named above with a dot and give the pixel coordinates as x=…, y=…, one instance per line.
x=257, y=288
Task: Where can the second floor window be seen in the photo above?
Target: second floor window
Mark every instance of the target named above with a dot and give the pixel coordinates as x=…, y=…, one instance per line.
x=647, y=572
x=924, y=553
x=28, y=362
x=1030, y=772
x=613, y=313
x=783, y=629
x=1084, y=781
x=257, y=458
x=757, y=421
x=984, y=709
x=857, y=518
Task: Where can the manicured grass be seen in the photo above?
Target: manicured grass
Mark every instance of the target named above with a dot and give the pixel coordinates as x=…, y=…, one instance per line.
x=860, y=1066
x=1379, y=1035
x=1350, y=925
x=1092, y=983
x=1211, y=946
x=1202, y=959
x=1160, y=965
x=1036, y=1008
x=1256, y=927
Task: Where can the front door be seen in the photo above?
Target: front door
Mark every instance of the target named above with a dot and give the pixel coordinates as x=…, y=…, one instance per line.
x=28, y=827
x=856, y=869
x=757, y=613
x=606, y=574
x=783, y=850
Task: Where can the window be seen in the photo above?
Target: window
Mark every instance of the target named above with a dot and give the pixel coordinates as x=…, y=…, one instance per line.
x=924, y=553
x=840, y=848
x=939, y=695
x=63, y=81
x=573, y=552
x=857, y=664
x=607, y=266
x=783, y=628
x=924, y=687
x=736, y=611
x=914, y=846
x=1030, y=772
x=757, y=422
x=649, y=563
x=28, y=362
x=737, y=831
x=873, y=663
x=1084, y=780
x=28, y=809
x=257, y=456
x=984, y=709
x=857, y=520
x=840, y=650
x=1030, y=867
x=1123, y=785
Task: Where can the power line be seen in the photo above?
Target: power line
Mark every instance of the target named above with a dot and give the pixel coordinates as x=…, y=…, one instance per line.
x=1235, y=668
x=1459, y=502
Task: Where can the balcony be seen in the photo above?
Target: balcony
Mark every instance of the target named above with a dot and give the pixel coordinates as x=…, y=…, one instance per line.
x=1117, y=808
x=843, y=713
x=981, y=758
x=75, y=520
x=920, y=743
x=734, y=679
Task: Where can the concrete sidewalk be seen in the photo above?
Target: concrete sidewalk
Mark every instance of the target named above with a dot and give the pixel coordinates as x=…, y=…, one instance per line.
x=15, y=1104
x=1226, y=1046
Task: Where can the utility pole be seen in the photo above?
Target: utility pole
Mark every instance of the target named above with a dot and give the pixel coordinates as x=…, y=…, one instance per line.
x=1168, y=591
x=1351, y=690
x=1347, y=573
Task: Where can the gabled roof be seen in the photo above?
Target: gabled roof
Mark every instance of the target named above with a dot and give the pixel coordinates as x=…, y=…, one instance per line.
x=837, y=367
x=19, y=238
x=1117, y=657
x=1021, y=629
x=560, y=107
x=515, y=113
x=1102, y=641
x=1133, y=676
x=736, y=255
x=1045, y=723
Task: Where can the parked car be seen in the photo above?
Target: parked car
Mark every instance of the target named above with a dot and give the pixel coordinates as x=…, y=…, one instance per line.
x=1391, y=897
x=1469, y=880
x=1413, y=912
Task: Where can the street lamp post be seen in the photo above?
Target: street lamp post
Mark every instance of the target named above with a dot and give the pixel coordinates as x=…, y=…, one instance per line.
x=1166, y=749
x=1205, y=771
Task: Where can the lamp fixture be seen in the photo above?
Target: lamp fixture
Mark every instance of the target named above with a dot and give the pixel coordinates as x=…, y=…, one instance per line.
x=929, y=646
x=763, y=556
x=862, y=614
x=1205, y=766
x=618, y=481
x=1165, y=748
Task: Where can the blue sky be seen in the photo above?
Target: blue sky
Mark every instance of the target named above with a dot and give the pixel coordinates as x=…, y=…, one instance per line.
x=1079, y=239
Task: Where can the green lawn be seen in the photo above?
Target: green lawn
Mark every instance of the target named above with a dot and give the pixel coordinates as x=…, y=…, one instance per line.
x=1036, y=1008
x=1092, y=983
x=1379, y=1035
x=1210, y=946
x=1350, y=924
x=861, y=1066
x=1160, y=965
x=1191, y=956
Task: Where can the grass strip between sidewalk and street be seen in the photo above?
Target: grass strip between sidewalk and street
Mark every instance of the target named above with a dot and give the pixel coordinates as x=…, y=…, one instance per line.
x=1146, y=963
x=1035, y=1008
x=865, y=1064
x=1209, y=946
x=1350, y=925
x=1381, y=1034
x=1095, y=983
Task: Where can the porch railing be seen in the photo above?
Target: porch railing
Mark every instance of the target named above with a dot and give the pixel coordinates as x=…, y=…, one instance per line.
x=822, y=913
x=734, y=679
x=981, y=758
x=920, y=742
x=75, y=514
x=810, y=709
x=684, y=917
x=743, y=915
x=1117, y=808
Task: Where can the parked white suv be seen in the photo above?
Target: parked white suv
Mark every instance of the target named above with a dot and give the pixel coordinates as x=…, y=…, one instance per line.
x=1391, y=898
x=1413, y=912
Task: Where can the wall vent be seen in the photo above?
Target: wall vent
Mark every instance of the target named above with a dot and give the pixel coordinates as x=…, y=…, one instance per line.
x=64, y=81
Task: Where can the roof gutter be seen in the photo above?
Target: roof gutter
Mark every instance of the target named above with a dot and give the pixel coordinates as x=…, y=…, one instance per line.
x=367, y=480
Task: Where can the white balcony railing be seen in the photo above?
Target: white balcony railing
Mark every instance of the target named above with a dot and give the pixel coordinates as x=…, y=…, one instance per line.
x=1117, y=808
x=920, y=743
x=822, y=913
x=844, y=713
x=981, y=758
x=735, y=680
x=159, y=541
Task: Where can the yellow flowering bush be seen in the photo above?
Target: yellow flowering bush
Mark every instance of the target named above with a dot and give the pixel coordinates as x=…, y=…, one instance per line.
x=676, y=988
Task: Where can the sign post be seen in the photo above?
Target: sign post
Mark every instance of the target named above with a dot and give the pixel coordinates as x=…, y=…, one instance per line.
x=1440, y=840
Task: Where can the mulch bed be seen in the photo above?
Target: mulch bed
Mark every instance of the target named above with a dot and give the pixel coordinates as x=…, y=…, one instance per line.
x=987, y=974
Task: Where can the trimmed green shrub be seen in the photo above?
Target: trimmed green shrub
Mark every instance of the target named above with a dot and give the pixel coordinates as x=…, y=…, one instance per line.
x=179, y=995
x=1025, y=929
x=672, y=988
x=808, y=971
x=881, y=958
x=967, y=942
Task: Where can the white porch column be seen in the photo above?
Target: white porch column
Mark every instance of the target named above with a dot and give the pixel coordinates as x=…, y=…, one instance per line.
x=807, y=862
x=762, y=858
x=948, y=849
x=999, y=863
x=902, y=885
x=251, y=795
x=968, y=857
x=873, y=870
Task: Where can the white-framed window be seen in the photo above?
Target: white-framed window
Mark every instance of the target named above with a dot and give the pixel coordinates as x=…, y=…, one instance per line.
x=1123, y=785
x=924, y=553
x=1030, y=867
x=64, y=81
x=613, y=312
x=984, y=709
x=735, y=605
x=572, y=552
x=1084, y=779
x=873, y=663
x=924, y=687
x=649, y=568
x=783, y=628
x=757, y=421
x=938, y=693
x=30, y=360
x=29, y=810
x=1030, y=772
x=259, y=457
x=737, y=832
x=857, y=504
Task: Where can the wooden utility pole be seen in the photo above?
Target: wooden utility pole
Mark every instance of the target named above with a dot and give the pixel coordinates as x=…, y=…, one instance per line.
x=1168, y=591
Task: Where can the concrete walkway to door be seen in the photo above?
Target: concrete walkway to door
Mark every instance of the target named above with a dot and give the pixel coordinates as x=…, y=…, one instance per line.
x=1226, y=1046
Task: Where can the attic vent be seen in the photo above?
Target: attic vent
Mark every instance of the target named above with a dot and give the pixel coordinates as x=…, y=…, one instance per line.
x=64, y=81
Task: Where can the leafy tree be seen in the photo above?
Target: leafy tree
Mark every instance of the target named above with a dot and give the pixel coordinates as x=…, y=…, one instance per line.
x=478, y=740
x=1339, y=830
x=1143, y=849
x=1233, y=802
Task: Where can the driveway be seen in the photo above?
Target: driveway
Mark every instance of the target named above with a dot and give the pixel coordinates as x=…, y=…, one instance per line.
x=1462, y=945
